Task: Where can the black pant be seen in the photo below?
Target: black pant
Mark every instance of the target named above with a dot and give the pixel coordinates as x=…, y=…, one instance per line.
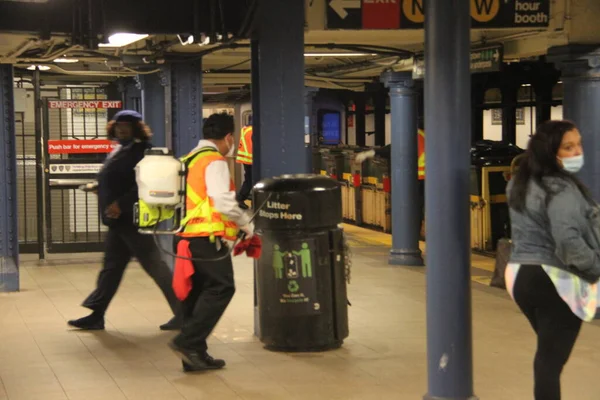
x=246, y=188
x=121, y=244
x=421, y=187
x=212, y=290
x=556, y=326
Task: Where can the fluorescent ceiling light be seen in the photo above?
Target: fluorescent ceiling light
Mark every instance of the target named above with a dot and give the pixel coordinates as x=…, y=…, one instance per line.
x=40, y=67
x=122, y=39
x=66, y=60
x=338, y=54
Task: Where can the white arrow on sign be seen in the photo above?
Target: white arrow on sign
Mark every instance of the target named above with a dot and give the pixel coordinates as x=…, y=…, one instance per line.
x=496, y=55
x=340, y=6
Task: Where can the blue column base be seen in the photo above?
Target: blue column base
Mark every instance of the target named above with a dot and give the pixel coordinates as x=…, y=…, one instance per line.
x=428, y=397
x=408, y=257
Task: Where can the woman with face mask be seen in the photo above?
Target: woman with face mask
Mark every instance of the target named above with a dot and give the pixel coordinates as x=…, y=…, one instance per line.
x=555, y=263
x=117, y=192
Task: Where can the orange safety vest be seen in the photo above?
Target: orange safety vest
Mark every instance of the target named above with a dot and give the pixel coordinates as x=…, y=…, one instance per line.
x=244, y=154
x=201, y=219
x=421, y=149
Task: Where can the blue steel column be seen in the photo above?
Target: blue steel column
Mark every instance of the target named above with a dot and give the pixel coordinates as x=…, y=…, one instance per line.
x=447, y=120
x=279, y=62
x=580, y=67
x=153, y=99
x=153, y=106
x=186, y=103
x=9, y=239
x=404, y=168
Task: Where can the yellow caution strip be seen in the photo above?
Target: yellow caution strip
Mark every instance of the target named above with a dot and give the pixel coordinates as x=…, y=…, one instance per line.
x=363, y=238
x=484, y=280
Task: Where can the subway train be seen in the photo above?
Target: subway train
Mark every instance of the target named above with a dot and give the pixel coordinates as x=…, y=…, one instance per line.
x=366, y=187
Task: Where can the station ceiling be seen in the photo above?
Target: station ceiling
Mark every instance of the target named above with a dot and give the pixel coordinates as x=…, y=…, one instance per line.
x=358, y=56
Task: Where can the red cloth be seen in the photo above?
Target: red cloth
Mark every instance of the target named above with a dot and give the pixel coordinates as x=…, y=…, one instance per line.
x=252, y=247
x=184, y=269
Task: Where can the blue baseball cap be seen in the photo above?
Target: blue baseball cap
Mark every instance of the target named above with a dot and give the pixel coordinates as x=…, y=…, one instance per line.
x=127, y=116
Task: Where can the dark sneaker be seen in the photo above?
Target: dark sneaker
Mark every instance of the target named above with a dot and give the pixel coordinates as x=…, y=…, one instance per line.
x=173, y=325
x=92, y=322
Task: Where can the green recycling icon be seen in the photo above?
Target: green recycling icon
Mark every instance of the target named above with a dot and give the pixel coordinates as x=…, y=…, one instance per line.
x=293, y=286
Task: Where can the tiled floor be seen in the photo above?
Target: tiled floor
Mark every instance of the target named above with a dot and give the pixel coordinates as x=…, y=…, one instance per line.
x=384, y=357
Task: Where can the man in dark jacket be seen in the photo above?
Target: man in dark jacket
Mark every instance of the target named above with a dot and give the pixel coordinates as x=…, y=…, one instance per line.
x=117, y=193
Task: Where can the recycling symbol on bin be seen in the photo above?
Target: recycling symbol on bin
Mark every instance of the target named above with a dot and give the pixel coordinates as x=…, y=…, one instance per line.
x=292, y=262
x=293, y=286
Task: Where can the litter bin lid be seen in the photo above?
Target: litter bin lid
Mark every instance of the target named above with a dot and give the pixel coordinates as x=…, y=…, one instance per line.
x=300, y=201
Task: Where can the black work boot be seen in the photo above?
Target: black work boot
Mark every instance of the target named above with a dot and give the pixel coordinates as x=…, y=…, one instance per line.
x=93, y=322
x=193, y=360
x=203, y=362
x=174, y=324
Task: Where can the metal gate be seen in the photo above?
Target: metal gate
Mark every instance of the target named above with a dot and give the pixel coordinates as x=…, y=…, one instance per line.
x=29, y=190
x=76, y=146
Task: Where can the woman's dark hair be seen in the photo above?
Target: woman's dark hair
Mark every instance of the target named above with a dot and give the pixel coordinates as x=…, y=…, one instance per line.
x=539, y=161
x=140, y=130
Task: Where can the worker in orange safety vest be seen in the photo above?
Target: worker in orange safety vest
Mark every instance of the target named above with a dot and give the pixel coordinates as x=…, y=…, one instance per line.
x=244, y=156
x=385, y=152
x=213, y=219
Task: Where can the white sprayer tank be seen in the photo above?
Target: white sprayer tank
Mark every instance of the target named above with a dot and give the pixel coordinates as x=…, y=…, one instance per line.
x=159, y=178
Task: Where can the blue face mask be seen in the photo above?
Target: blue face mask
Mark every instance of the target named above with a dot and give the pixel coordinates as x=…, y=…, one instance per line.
x=572, y=164
x=125, y=142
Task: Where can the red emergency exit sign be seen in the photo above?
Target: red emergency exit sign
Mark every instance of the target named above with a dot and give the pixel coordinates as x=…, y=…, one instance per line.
x=381, y=14
x=84, y=104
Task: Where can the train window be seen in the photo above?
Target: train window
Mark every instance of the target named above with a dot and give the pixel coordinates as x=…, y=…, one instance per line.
x=330, y=127
x=247, y=118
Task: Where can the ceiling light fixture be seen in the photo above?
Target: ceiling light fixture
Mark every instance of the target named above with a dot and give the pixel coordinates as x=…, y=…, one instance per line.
x=122, y=39
x=66, y=60
x=40, y=67
x=338, y=54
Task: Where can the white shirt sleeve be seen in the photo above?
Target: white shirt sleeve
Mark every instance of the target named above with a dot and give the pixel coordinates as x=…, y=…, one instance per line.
x=217, y=187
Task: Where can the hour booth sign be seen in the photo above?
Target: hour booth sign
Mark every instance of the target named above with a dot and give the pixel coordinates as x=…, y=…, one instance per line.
x=409, y=14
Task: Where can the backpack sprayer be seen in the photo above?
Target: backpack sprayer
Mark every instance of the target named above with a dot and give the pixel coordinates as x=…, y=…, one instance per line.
x=161, y=180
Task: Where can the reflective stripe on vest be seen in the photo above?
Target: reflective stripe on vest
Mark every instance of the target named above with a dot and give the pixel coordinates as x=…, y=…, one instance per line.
x=421, y=146
x=244, y=154
x=201, y=219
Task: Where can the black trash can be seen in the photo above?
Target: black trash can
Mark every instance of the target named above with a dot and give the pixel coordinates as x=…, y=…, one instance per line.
x=301, y=275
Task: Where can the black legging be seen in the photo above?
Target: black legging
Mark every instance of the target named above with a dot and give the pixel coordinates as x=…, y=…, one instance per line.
x=556, y=326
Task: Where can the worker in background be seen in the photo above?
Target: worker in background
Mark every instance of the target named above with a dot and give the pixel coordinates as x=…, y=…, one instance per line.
x=117, y=192
x=213, y=221
x=385, y=152
x=244, y=156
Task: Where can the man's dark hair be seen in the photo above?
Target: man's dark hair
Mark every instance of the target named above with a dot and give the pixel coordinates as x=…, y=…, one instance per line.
x=217, y=126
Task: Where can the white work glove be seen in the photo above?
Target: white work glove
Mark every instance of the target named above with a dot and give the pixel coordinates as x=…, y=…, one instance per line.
x=362, y=156
x=248, y=229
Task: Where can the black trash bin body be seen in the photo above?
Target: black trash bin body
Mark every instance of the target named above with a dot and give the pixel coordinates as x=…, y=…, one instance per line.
x=301, y=274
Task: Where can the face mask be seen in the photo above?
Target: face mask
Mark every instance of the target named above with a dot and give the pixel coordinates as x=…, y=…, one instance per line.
x=125, y=142
x=572, y=164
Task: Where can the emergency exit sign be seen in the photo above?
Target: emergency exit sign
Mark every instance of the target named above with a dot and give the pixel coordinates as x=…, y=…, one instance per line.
x=410, y=14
